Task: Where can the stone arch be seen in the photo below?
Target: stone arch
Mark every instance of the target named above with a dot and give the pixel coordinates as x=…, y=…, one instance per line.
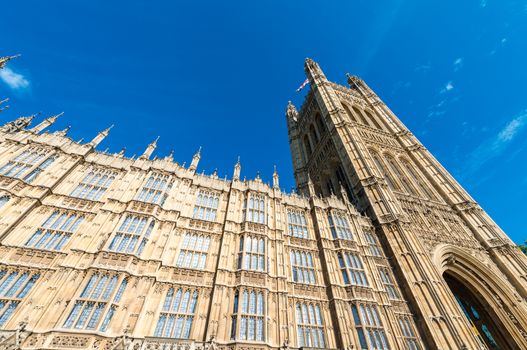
x=498, y=306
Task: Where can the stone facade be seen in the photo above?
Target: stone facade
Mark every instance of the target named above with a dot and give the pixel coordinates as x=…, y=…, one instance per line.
x=101, y=251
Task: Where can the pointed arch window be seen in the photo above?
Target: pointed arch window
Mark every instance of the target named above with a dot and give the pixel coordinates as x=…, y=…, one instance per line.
x=400, y=175
x=156, y=189
x=206, y=206
x=369, y=327
x=302, y=266
x=56, y=231
x=177, y=313
x=132, y=235
x=3, y=200
x=14, y=287
x=387, y=176
x=409, y=335
x=28, y=164
x=339, y=226
x=309, y=325
x=418, y=179
x=94, y=184
x=307, y=145
x=97, y=303
x=249, y=313
x=388, y=283
x=373, y=245
x=352, y=269
x=252, y=253
x=297, y=225
x=255, y=209
x=193, y=252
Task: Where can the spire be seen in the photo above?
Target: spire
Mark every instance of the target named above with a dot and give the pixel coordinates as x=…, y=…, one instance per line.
x=100, y=136
x=5, y=59
x=19, y=124
x=276, y=184
x=2, y=102
x=45, y=123
x=170, y=156
x=237, y=170
x=215, y=173
x=64, y=131
x=310, y=185
x=195, y=160
x=121, y=152
x=150, y=149
x=353, y=81
x=313, y=71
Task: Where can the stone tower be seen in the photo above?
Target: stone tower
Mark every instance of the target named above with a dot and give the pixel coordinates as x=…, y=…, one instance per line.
x=464, y=279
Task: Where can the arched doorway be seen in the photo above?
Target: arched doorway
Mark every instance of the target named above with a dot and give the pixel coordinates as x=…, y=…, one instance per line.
x=485, y=323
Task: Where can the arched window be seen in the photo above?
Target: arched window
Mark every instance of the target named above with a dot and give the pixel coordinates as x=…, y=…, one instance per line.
x=320, y=124
x=3, y=200
x=417, y=179
x=302, y=266
x=360, y=116
x=250, y=313
x=177, y=315
x=350, y=114
x=391, y=183
x=374, y=120
x=309, y=326
x=400, y=175
x=307, y=145
x=314, y=134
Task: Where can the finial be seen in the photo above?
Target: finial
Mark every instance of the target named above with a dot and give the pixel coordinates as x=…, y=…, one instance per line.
x=276, y=184
x=195, y=160
x=46, y=122
x=170, y=156
x=106, y=150
x=150, y=149
x=80, y=140
x=237, y=170
x=64, y=131
x=100, y=136
x=5, y=59
x=215, y=173
x=121, y=152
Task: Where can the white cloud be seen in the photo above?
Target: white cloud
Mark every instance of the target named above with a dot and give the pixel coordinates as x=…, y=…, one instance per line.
x=449, y=86
x=503, y=41
x=483, y=3
x=15, y=81
x=497, y=144
x=424, y=68
x=458, y=63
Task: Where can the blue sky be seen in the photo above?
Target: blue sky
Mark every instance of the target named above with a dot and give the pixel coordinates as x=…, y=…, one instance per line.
x=219, y=75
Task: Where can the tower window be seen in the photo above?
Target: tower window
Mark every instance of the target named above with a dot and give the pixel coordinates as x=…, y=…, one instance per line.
x=297, y=225
x=252, y=254
x=206, y=206
x=352, y=269
x=133, y=229
x=28, y=164
x=372, y=243
x=14, y=286
x=55, y=232
x=97, y=303
x=193, y=253
x=302, y=267
x=369, y=327
x=177, y=314
x=309, y=326
x=156, y=189
x=249, y=313
x=94, y=184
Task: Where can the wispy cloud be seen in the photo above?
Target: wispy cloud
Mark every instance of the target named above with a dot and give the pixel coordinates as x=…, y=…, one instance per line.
x=497, y=144
x=449, y=86
x=14, y=80
x=483, y=3
x=458, y=64
x=424, y=68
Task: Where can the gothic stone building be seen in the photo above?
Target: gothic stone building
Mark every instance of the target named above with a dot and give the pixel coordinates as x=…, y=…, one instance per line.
x=380, y=248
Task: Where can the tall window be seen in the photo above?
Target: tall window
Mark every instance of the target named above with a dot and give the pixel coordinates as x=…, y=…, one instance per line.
x=97, y=303
x=252, y=253
x=417, y=179
x=133, y=229
x=387, y=281
x=297, y=225
x=352, y=269
x=408, y=333
x=340, y=228
x=255, y=209
x=3, y=200
x=302, y=267
x=372, y=243
x=94, y=185
x=206, y=206
x=177, y=314
x=28, y=164
x=193, y=253
x=401, y=176
x=309, y=326
x=56, y=231
x=156, y=189
x=249, y=313
x=369, y=327
x=14, y=286
x=387, y=176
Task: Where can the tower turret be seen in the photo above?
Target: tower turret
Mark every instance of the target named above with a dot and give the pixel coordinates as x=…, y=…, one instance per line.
x=195, y=160
x=45, y=123
x=100, y=136
x=150, y=149
x=237, y=170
